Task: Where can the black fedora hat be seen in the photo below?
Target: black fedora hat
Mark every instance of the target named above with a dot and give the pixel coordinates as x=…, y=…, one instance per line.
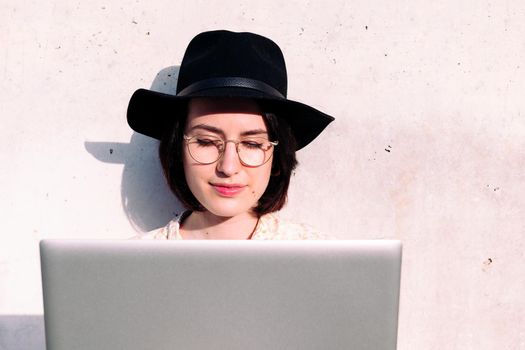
x=227, y=64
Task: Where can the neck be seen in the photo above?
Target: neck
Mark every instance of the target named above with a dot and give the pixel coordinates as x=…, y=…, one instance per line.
x=205, y=225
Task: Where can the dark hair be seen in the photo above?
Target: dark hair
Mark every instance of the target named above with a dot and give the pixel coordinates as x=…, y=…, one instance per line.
x=283, y=163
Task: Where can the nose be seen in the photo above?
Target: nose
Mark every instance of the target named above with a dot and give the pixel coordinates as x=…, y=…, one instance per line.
x=229, y=164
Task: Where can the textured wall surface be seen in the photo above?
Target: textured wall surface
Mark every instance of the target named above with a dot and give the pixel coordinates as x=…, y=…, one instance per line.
x=428, y=145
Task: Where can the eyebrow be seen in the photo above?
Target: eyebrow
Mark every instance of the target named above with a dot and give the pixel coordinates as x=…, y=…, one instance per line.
x=220, y=131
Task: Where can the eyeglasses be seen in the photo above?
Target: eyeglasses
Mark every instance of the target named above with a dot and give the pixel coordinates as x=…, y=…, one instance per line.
x=252, y=151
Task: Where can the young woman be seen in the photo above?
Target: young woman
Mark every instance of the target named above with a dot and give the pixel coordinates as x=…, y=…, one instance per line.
x=228, y=138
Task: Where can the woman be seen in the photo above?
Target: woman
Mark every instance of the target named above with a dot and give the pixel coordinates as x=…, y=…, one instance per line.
x=228, y=138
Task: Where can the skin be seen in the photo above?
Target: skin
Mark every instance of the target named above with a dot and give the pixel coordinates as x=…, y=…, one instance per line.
x=227, y=215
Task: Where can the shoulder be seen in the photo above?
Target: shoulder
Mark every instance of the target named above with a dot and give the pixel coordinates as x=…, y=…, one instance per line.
x=273, y=227
x=170, y=231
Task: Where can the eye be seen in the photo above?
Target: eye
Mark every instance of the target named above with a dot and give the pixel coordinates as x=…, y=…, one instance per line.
x=207, y=141
x=255, y=144
x=252, y=144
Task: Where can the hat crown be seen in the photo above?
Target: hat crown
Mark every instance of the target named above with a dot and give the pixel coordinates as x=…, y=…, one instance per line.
x=225, y=54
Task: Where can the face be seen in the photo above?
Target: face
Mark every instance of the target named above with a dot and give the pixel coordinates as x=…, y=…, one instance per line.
x=226, y=188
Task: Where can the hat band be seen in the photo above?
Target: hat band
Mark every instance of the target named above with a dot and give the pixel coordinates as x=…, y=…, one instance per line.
x=230, y=82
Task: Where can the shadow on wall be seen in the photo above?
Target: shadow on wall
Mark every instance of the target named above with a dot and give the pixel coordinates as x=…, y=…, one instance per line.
x=146, y=198
x=22, y=332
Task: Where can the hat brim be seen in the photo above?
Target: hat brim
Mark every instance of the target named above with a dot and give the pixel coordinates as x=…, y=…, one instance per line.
x=151, y=112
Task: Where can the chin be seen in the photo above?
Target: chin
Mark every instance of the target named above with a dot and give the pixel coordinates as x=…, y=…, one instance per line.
x=228, y=209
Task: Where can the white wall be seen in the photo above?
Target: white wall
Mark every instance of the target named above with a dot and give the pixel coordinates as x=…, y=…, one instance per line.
x=428, y=145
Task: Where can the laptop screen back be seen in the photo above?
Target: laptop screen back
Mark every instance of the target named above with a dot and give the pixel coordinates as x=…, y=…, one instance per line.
x=220, y=294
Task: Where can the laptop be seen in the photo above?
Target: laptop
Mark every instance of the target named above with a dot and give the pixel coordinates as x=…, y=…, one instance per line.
x=132, y=295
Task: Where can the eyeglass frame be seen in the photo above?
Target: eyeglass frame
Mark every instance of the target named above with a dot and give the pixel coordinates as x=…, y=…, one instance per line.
x=221, y=153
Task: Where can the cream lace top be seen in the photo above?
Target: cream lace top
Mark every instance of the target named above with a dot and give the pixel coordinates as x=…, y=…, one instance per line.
x=270, y=227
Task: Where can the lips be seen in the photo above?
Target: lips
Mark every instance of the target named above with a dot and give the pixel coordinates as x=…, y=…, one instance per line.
x=228, y=190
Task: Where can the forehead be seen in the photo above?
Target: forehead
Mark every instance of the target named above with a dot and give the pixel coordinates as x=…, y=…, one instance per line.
x=225, y=113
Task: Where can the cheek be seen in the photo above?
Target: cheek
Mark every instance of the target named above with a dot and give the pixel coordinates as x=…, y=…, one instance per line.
x=192, y=172
x=262, y=178
x=187, y=168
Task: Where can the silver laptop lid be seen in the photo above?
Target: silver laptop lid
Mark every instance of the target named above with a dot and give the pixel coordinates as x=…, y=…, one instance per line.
x=220, y=294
